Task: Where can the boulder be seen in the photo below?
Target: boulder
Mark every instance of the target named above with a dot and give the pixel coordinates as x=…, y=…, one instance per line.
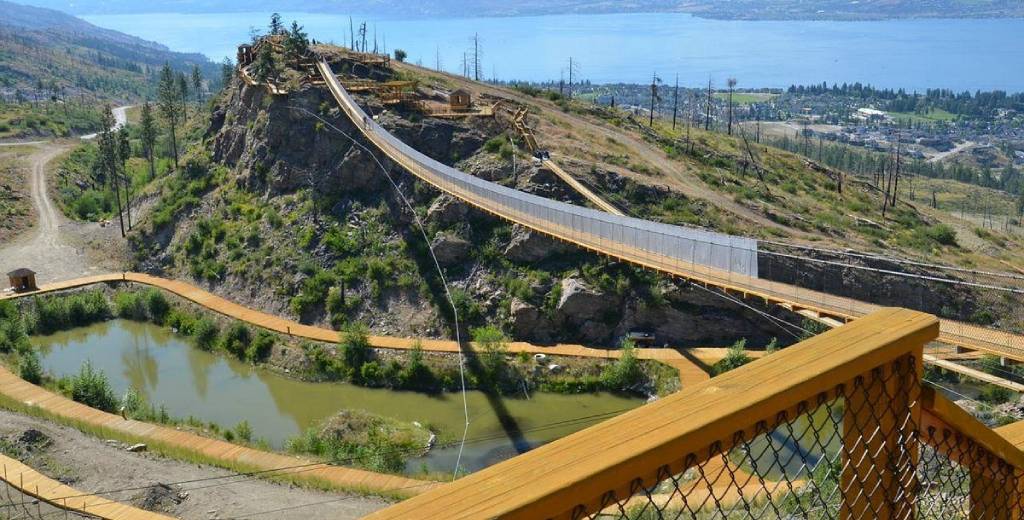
x=446, y=211
x=450, y=249
x=530, y=246
x=528, y=322
x=579, y=303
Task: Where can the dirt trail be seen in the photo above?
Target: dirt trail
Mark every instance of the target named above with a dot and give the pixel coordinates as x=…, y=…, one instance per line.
x=43, y=248
x=92, y=464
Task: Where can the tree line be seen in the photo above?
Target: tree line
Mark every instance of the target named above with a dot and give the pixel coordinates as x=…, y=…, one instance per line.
x=977, y=104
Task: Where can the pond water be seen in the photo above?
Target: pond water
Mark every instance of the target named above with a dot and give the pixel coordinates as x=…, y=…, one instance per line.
x=215, y=388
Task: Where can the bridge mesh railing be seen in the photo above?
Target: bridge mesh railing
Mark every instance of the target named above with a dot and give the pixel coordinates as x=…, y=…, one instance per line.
x=857, y=451
x=727, y=262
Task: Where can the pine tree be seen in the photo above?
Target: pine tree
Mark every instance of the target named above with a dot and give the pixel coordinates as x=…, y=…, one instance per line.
x=147, y=132
x=264, y=67
x=227, y=72
x=183, y=94
x=124, y=151
x=169, y=107
x=197, y=83
x=109, y=157
x=275, y=24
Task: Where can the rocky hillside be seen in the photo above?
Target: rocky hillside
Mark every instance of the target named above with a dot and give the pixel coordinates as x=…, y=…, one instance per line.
x=282, y=212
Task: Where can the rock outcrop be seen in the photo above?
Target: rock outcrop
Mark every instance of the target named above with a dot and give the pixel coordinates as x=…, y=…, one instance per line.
x=529, y=246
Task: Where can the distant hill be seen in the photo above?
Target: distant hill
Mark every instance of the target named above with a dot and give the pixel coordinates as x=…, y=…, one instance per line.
x=47, y=48
x=731, y=9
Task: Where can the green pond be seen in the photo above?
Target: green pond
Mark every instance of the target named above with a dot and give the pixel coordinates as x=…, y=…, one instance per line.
x=169, y=371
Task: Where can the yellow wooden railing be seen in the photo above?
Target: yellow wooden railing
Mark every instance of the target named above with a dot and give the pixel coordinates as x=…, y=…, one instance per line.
x=839, y=426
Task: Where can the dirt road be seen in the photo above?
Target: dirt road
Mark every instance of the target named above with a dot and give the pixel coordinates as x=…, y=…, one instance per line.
x=120, y=119
x=180, y=489
x=43, y=248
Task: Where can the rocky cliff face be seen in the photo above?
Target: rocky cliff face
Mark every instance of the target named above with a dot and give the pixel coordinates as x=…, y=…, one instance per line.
x=322, y=235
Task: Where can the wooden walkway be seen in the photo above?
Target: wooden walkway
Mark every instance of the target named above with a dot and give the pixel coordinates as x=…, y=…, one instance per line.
x=34, y=484
x=215, y=451
x=285, y=326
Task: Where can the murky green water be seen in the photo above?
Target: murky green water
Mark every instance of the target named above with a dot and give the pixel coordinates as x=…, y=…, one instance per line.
x=211, y=387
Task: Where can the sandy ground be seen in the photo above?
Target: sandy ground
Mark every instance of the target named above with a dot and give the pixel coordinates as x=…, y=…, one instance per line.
x=176, y=488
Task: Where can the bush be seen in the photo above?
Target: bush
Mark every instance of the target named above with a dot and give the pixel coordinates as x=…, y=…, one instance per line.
x=55, y=313
x=29, y=367
x=355, y=348
x=625, y=372
x=205, y=332
x=260, y=347
x=416, y=374
x=236, y=339
x=243, y=431
x=12, y=335
x=130, y=305
x=91, y=387
x=157, y=305
x=994, y=395
x=942, y=234
x=735, y=358
x=493, y=348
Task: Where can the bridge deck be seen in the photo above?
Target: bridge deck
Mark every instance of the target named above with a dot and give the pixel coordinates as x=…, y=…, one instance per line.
x=825, y=305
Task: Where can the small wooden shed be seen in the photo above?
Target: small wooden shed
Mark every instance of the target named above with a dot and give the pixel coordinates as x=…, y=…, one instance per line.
x=22, y=280
x=459, y=99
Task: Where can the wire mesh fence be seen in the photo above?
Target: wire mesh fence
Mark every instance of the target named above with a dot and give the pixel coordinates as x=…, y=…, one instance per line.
x=15, y=505
x=858, y=451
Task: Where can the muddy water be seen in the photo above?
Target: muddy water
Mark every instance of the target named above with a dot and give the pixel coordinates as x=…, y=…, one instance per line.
x=215, y=388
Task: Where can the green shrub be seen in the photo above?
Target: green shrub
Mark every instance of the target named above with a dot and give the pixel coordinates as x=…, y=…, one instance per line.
x=942, y=234
x=243, y=431
x=625, y=372
x=355, y=348
x=371, y=374
x=130, y=305
x=29, y=367
x=994, y=395
x=236, y=339
x=735, y=358
x=91, y=387
x=260, y=347
x=12, y=335
x=157, y=305
x=416, y=374
x=493, y=347
x=205, y=332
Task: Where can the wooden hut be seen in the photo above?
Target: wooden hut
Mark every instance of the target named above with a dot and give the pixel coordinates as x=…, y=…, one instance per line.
x=459, y=99
x=22, y=280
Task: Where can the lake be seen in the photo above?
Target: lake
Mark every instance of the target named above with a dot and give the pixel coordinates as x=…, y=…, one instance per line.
x=215, y=388
x=913, y=54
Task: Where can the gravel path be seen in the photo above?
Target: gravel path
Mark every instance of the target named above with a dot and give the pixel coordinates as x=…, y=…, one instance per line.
x=94, y=465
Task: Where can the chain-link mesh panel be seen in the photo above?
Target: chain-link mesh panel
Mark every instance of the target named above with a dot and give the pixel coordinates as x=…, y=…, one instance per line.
x=856, y=452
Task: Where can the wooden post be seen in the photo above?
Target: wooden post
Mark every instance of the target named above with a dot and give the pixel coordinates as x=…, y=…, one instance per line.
x=993, y=488
x=879, y=452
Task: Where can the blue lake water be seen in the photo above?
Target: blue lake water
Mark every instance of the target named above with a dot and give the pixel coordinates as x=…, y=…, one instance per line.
x=913, y=54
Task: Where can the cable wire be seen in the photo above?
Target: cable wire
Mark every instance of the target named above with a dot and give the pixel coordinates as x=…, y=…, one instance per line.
x=440, y=272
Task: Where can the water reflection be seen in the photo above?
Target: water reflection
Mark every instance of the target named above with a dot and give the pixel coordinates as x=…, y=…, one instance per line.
x=211, y=387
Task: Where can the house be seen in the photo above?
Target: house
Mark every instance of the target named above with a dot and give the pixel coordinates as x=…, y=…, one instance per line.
x=22, y=280
x=459, y=99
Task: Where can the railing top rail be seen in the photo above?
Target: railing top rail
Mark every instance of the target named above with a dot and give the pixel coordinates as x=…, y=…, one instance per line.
x=578, y=469
x=940, y=407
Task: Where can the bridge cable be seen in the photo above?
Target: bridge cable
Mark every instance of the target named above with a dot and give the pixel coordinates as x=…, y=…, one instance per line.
x=440, y=272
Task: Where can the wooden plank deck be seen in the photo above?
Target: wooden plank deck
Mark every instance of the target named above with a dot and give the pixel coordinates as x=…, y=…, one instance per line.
x=32, y=483
x=223, y=452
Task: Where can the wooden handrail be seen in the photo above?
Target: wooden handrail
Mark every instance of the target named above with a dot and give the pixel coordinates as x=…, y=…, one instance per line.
x=579, y=469
x=939, y=412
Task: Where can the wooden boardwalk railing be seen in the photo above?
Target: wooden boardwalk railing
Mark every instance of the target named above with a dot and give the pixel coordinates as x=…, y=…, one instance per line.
x=230, y=309
x=214, y=451
x=839, y=426
x=34, y=484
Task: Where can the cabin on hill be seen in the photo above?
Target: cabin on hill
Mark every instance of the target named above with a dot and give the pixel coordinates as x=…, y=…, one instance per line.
x=460, y=99
x=22, y=280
